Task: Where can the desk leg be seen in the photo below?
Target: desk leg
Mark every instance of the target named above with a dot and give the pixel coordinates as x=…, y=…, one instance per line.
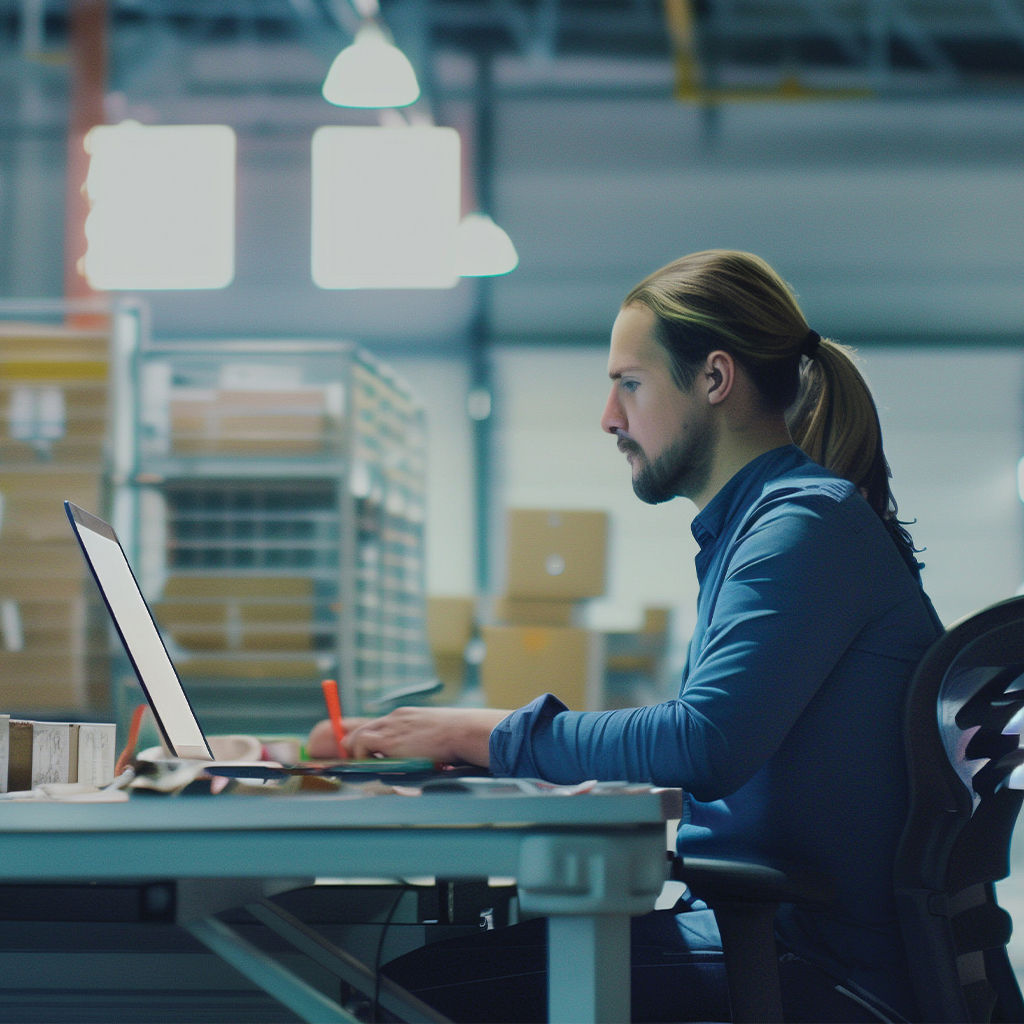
x=588, y=885
x=275, y=979
x=588, y=969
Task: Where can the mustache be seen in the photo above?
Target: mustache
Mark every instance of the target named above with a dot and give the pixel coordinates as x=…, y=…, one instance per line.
x=627, y=445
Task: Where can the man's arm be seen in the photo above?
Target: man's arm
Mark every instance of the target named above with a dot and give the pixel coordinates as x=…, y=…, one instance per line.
x=799, y=588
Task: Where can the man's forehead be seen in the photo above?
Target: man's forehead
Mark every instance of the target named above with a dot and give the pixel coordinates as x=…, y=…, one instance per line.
x=634, y=346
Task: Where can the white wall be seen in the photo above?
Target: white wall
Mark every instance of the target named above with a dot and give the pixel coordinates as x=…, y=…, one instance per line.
x=953, y=423
x=441, y=384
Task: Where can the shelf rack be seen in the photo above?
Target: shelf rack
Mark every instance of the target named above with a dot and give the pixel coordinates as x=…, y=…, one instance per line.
x=271, y=497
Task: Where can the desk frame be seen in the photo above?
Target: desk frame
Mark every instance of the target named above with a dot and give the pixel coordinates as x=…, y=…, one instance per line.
x=587, y=862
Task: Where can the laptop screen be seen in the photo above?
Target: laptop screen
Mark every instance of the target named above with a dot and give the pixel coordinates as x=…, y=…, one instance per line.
x=139, y=634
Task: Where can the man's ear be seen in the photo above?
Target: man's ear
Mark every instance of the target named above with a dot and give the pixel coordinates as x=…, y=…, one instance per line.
x=719, y=375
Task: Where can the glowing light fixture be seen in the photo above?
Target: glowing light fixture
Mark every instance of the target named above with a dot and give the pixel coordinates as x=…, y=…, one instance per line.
x=385, y=207
x=372, y=72
x=482, y=249
x=162, y=207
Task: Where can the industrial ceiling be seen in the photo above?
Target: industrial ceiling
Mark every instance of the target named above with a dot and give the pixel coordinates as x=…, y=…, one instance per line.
x=874, y=149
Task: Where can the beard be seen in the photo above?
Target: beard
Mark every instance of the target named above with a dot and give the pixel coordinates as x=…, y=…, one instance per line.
x=682, y=470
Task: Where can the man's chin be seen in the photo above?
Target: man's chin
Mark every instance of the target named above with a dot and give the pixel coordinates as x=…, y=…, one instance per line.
x=648, y=495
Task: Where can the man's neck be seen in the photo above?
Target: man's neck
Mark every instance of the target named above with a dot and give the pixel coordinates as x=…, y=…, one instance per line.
x=738, y=448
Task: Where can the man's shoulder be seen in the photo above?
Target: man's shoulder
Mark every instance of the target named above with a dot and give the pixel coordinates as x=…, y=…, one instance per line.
x=820, y=498
x=807, y=484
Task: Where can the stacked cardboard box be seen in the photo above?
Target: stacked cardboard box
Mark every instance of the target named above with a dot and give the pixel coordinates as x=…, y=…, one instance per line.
x=556, y=561
x=635, y=662
x=231, y=613
x=451, y=624
x=53, y=391
x=232, y=422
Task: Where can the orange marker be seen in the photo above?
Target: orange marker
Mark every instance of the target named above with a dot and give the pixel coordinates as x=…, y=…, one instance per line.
x=334, y=713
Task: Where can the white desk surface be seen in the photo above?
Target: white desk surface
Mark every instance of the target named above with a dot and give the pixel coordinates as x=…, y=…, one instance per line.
x=340, y=810
x=586, y=861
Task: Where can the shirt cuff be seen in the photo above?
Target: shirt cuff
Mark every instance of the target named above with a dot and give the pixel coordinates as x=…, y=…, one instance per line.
x=511, y=750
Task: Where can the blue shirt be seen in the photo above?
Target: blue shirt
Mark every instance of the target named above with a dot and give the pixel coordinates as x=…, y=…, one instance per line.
x=786, y=732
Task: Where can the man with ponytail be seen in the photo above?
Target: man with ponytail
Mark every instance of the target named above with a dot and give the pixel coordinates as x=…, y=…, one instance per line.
x=785, y=735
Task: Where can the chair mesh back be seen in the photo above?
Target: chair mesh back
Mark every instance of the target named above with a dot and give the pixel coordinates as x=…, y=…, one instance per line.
x=956, y=842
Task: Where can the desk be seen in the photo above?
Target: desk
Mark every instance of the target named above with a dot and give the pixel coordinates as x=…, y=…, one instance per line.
x=588, y=862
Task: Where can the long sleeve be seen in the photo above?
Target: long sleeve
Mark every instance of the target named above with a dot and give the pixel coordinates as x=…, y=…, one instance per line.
x=798, y=589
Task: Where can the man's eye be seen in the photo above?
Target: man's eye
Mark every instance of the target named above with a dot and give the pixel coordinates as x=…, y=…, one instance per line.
x=630, y=385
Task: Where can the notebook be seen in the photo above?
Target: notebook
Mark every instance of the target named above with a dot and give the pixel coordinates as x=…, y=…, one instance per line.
x=181, y=731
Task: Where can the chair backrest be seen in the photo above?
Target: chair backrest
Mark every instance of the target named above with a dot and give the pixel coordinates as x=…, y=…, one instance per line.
x=956, y=842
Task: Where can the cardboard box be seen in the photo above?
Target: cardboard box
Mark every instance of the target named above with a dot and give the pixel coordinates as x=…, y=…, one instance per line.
x=32, y=504
x=556, y=555
x=520, y=611
x=53, y=560
x=642, y=652
x=250, y=423
x=251, y=670
x=55, y=422
x=225, y=613
x=450, y=670
x=39, y=752
x=239, y=587
x=30, y=351
x=273, y=626
x=93, y=753
x=54, y=589
x=450, y=624
x=31, y=680
x=522, y=662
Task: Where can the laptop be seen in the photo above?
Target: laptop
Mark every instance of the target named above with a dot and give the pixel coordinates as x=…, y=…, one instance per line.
x=181, y=731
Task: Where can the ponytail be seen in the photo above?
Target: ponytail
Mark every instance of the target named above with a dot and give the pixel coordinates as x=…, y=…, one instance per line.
x=835, y=421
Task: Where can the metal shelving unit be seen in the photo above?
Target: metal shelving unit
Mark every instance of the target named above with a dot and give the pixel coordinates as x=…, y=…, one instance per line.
x=271, y=497
x=53, y=432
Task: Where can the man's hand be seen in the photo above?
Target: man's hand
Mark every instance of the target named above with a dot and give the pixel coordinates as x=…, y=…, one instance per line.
x=445, y=735
x=321, y=741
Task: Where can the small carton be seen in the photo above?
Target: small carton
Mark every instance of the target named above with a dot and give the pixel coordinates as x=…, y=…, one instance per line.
x=522, y=662
x=39, y=752
x=556, y=555
x=521, y=611
x=92, y=754
x=450, y=624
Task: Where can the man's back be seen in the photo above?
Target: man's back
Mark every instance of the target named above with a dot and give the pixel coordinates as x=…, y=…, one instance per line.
x=809, y=628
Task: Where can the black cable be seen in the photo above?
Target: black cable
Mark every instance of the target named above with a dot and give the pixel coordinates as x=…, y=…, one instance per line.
x=375, y=1009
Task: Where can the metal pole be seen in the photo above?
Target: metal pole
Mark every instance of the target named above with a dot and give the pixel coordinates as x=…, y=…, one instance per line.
x=480, y=382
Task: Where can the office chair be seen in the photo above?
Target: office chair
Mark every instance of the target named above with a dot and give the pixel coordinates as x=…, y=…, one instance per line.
x=955, y=845
x=956, y=842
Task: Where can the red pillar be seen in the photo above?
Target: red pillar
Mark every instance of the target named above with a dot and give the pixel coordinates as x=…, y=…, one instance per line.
x=87, y=37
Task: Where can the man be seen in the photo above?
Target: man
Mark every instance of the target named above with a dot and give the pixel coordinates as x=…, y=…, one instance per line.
x=785, y=735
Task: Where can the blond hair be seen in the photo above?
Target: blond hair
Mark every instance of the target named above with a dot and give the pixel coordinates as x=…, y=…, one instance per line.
x=723, y=299
x=733, y=301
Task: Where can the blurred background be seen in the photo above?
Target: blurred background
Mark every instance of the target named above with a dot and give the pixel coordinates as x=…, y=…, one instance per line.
x=872, y=151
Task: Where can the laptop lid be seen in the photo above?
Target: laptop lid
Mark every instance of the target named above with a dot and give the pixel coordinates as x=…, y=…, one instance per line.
x=141, y=638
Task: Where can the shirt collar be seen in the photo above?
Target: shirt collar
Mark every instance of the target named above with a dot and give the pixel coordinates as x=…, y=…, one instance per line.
x=740, y=491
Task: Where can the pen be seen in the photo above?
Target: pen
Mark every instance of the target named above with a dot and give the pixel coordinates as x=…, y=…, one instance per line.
x=334, y=713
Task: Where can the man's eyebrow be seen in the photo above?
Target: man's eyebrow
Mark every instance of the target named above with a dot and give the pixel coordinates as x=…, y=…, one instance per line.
x=616, y=374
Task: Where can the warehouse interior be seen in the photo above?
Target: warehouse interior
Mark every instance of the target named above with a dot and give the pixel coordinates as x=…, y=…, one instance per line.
x=871, y=150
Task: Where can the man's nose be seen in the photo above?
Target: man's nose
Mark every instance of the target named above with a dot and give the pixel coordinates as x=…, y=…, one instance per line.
x=612, y=420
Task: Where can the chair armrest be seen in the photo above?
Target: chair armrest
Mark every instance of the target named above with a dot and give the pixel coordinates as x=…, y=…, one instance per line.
x=744, y=897
x=714, y=879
